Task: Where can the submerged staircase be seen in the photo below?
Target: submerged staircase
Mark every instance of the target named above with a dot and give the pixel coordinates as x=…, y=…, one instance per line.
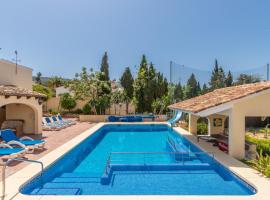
x=68, y=184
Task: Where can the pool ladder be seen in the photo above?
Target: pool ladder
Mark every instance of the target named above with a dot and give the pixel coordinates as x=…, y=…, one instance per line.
x=21, y=160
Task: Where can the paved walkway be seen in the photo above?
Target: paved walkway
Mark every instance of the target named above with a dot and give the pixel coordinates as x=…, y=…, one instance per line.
x=53, y=139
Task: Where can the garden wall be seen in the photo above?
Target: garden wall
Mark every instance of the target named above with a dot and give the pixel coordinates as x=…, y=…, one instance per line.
x=54, y=104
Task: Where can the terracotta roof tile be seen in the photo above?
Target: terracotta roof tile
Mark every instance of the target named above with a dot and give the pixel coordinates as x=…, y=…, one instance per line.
x=219, y=96
x=10, y=90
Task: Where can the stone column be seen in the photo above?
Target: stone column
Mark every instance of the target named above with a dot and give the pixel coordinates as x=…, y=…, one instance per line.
x=192, y=126
x=236, y=133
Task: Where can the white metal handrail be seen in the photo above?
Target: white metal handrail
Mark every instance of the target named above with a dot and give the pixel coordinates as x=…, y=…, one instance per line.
x=21, y=160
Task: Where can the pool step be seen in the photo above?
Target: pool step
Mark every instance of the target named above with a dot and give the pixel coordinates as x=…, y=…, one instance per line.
x=57, y=191
x=81, y=175
x=76, y=180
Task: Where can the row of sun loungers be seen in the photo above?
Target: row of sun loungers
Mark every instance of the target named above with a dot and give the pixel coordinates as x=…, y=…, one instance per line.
x=14, y=147
x=56, y=123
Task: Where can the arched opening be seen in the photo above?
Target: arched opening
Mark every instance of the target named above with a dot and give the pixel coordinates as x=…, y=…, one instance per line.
x=22, y=118
x=202, y=126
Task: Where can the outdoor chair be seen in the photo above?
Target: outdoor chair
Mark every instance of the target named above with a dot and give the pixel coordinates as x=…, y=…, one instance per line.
x=26, y=142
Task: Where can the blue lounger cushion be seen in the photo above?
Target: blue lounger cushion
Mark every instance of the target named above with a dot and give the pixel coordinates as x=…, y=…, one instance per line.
x=8, y=135
x=8, y=151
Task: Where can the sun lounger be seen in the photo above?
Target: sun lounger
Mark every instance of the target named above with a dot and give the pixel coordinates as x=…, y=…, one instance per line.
x=62, y=123
x=26, y=142
x=8, y=152
x=71, y=122
x=48, y=122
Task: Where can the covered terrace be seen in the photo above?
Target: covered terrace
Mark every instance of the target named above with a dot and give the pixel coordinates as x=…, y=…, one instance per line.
x=232, y=104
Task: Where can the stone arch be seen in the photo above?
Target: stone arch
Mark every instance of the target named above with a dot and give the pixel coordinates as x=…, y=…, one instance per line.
x=26, y=104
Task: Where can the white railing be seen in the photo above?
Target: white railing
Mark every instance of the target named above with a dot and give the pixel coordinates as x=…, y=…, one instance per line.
x=4, y=166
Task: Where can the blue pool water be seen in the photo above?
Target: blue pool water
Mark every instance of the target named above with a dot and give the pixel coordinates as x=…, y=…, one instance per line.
x=136, y=160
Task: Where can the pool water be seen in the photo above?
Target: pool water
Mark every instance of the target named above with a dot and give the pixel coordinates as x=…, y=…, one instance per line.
x=137, y=160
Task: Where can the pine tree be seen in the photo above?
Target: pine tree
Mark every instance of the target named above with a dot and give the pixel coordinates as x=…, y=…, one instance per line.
x=199, y=90
x=105, y=67
x=229, y=79
x=148, y=86
x=127, y=83
x=217, y=78
x=178, y=92
x=204, y=89
x=140, y=84
x=191, y=88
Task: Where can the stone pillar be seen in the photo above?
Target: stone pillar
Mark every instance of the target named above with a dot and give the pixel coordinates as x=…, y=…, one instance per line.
x=38, y=119
x=192, y=125
x=236, y=133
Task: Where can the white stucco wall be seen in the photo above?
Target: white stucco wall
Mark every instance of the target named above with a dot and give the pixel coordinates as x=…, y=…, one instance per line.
x=256, y=106
x=62, y=90
x=8, y=75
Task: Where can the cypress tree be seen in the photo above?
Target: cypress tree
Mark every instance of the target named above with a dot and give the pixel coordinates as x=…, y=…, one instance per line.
x=229, y=79
x=217, y=78
x=105, y=67
x=127, y=82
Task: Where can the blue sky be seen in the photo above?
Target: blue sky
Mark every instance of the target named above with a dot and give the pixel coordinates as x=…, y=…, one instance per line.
x=58, y=37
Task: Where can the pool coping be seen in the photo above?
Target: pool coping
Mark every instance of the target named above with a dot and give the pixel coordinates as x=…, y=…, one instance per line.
x=15, y=181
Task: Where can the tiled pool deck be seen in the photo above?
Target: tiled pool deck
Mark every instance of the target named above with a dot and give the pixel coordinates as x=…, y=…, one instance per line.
x=53, y=139
x=17, y=179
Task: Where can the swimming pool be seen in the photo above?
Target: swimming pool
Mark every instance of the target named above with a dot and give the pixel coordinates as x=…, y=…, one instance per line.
x=136, y=160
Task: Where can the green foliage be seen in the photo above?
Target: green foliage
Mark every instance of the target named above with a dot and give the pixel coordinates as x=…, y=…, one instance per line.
x=204, y=89
x=217, y=78
x=38, y=78
x=87, y=109
x=245, y=79
x=229, y=79
x=262, y=164
x=127, y=82
x=202, y=128
x=56, y=81
x=92, y=86
x=192, y=89
x=53, y=111
x=178, y=92
x=67, y=101
x=104, y=68
x=262, y=145
x=43, y=90
x=160, y=105
x=148, y=86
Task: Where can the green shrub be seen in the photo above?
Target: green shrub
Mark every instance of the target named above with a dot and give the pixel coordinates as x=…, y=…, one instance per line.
x=78, y=111
x=67, y=101
x=87, y=109
x=262, y=145
x=262, y=164
x=53, y=111
x=202, y=128
x=43, y=90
